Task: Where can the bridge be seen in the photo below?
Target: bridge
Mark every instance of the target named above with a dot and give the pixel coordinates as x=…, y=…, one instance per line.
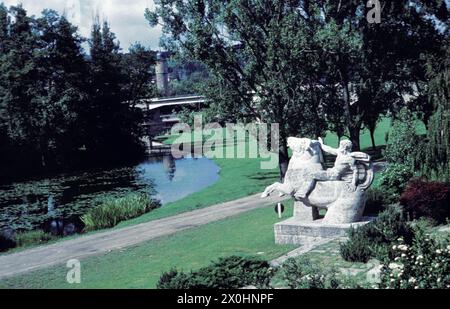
x=161, y=114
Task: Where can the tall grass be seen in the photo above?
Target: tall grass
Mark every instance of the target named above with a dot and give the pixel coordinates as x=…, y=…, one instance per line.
x=29, y=238
x=113, y=211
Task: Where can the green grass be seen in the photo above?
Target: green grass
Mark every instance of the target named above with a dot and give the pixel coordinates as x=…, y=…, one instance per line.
x=249, y=234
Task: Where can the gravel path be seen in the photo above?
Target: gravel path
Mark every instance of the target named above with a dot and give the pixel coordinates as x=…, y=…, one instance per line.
x=96, y=244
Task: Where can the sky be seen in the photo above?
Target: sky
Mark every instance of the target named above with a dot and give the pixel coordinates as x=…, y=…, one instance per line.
x=126, y=18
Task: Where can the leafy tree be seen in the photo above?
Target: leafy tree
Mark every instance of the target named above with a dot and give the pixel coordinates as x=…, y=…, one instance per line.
x=374, y=67
x=59, y=111
x=112, y=127
x=137, y=66
x=437, y=162
x=259, y=57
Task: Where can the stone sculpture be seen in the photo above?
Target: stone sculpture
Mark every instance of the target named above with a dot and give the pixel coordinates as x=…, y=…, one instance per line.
x=340, y=190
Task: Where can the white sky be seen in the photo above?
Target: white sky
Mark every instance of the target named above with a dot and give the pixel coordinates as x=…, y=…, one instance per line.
x=126, y=17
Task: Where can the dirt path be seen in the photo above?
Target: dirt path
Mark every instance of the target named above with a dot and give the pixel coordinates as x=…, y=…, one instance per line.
x=96, y=244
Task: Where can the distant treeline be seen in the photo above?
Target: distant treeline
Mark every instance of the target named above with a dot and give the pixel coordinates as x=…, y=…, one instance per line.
x=62, y=107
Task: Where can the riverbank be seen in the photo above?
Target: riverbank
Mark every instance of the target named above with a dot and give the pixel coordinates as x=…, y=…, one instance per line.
x=238, y=178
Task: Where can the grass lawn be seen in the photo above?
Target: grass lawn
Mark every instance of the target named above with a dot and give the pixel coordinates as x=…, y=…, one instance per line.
x=249, y=234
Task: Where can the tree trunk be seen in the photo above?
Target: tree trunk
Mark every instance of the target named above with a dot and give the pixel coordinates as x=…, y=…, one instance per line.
x=354, y=137
x=283, y=160
x=372, y=137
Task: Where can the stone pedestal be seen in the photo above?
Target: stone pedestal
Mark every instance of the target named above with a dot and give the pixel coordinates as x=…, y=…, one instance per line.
x=293, y=231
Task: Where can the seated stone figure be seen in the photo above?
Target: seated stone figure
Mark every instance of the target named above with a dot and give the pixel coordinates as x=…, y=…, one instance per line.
x=345, y=163
x=340, y=189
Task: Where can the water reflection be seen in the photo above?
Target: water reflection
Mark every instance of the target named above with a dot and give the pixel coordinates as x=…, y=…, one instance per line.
x=56, y=204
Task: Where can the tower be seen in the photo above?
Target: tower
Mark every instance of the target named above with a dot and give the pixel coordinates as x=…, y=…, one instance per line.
x=162, y=73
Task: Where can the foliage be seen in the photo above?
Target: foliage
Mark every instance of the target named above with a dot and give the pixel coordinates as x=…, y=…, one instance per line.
x=302, y=274
x=423, y=265
x=437, y=157
x=427, y=199
x=375, y=239
x=375, y=201
x=357, y=248
x=6, y=241
x=113, y=211
x=190, y=86
x=228, y=273
x=136, y=66
x=59, y=108
x=23, y=239
x=402, y=145
x=393, y=181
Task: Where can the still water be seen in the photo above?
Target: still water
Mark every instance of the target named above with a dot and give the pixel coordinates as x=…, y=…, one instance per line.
x=40, y=204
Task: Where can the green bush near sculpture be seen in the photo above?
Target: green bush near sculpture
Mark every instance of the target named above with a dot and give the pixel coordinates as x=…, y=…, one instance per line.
x=393, y=181
x=113, y=211
x=233, y=272
x=375, y=239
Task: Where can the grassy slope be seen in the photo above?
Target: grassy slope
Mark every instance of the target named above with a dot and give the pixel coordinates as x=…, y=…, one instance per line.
x=140, y=267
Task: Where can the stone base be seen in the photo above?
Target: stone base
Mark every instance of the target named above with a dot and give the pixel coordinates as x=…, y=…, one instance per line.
x=292, y=231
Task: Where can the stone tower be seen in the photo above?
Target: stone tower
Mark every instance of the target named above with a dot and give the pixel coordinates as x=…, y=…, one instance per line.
x=162, y=73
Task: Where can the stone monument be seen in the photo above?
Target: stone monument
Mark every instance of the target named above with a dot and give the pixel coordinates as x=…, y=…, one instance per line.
x=339, y=190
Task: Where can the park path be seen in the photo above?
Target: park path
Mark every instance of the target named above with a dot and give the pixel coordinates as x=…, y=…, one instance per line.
x=99, y=243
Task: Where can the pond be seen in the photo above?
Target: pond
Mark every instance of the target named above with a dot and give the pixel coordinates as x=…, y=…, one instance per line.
x=60, y=201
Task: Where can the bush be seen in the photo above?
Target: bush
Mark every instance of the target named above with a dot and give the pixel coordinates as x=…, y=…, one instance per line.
x=402, y=142
x=301, y=273
x=393, y=182
x=376, y=238
x=228, y=273
x=6, y=242
x=424, y=265
x=28, y=238
x=113, y=211
x=357, y=249
x=424, y=199
x=375, y=201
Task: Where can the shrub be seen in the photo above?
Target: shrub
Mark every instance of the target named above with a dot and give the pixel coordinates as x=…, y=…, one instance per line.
x=427, y=199
x=402, y=142
x=375, y=202
x=377, y=237
x=113, y=211
x=32, y=238
x=423, y=265
x=228, y=273
x=357, y=249
x=393, y=182
x=6, y=242
x=301, y=273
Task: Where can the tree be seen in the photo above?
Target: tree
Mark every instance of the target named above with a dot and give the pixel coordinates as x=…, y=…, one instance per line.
x=374, y=66
x=437, y=162
x=112, y=127
x=137, y=65
x=259, y=57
